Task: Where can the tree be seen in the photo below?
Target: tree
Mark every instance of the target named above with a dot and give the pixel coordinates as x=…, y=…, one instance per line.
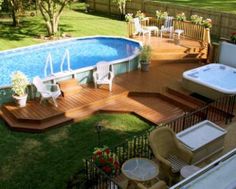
x=16, y=7
x=51, y=11
x=122, y=7
x=1, y=1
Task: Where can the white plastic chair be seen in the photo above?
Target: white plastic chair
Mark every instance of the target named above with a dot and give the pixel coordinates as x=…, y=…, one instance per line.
x=103, y=75
x=168, y=26
x=139, y=29
x=47, y=91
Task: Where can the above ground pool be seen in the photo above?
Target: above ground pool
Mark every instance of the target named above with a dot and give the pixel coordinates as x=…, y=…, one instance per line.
x=47, y=59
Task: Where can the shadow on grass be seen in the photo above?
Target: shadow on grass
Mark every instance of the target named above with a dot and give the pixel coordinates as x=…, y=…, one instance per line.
x=27, y=28
x=99, y=14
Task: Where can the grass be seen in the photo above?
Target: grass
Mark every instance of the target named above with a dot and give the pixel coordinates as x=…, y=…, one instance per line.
x=47, y=160
x=216, y=5
x=77, y=23
x=73, y=21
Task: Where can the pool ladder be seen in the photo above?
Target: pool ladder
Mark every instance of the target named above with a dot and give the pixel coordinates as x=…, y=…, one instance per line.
x=49, y=63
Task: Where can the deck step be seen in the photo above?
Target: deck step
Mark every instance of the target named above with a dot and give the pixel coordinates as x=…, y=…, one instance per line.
x=179, y=102
x=69, y=87
x=34, y=127
x=177, y=56
x=17, y=120
x=39, y=116
x=185, y=96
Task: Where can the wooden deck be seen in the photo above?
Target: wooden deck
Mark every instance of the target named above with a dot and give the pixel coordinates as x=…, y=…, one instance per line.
x=165, y=49
x=140, y=92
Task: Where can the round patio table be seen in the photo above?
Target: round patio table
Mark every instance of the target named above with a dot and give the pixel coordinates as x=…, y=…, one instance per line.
x=140, y=169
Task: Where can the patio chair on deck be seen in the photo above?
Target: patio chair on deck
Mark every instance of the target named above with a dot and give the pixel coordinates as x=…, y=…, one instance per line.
x=171, y=154
x=144, y=30
x=168, y=26
x=103, y=75
x=47, y=91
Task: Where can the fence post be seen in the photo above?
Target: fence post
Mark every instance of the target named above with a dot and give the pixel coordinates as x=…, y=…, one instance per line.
x=94, y=5
x=109, y=7
x=219, y=26
x=142, y=6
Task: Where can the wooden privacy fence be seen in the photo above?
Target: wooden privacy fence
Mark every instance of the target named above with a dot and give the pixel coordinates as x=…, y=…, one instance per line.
x=223, y=23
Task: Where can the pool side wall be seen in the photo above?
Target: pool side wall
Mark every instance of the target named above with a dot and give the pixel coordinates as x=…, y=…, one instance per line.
x=83, y=77
x=201, y=89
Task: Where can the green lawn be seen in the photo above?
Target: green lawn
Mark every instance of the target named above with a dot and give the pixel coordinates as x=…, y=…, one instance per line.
x=77, y=23
x=216, y=5
x=74, y=22
x=47, y=160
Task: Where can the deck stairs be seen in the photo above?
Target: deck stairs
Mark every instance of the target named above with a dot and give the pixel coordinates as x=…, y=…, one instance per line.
x=41, y=117
x=152, y=106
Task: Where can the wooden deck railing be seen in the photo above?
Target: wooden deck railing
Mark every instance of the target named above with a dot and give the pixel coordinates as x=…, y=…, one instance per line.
x=92, y=177
x=193, y=31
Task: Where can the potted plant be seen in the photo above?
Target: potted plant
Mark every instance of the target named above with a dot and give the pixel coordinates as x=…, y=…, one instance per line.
x=144, y=58
x=19, y=84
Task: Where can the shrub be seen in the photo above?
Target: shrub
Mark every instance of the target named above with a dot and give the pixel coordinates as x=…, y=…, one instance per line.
x=181, y=17
x=19, y=83
x=207, y=23
x=161, y=15
x=233, y=37
x=140, y=15
x=196, y=19
x=106, y=161
x=129, y=17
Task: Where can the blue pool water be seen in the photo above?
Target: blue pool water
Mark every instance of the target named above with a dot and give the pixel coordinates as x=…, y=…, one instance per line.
x=83, y=52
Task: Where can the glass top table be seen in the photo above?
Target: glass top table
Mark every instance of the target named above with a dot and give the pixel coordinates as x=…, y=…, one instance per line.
x=140, y=169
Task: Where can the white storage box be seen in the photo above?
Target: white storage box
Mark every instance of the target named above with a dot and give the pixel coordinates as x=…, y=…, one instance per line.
x=203, y=139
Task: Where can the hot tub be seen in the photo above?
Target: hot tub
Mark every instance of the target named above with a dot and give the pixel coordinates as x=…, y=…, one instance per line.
x=220, y=174
x=212, y=80
x=203, y=139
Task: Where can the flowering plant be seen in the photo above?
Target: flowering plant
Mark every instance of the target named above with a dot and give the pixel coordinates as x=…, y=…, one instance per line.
x=106, y=161
x=181, y=17
x=129, y=17
x=19, y=83
x=161, y=15
x=233, y=37
x=207, y=23
x=140, y=15
x=196, y=19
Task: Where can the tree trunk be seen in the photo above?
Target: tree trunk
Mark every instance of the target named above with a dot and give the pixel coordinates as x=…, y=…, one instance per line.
x=13, y=14
x=51, y=15
x=15, y=8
